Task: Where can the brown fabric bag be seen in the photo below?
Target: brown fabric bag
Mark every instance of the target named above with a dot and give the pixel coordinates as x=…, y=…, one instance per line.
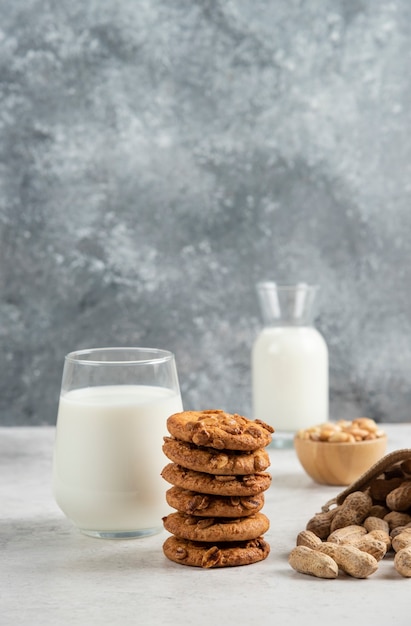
x=388, y=462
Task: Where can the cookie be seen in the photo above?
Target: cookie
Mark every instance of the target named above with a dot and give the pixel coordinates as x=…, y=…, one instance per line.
x=204, y=505
x=220, y=430
x=211, y=461
x=216, y=529
x=197, y=554
x=242, y=485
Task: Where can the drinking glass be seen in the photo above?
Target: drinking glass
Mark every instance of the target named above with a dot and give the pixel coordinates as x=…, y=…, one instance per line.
x=108, y=456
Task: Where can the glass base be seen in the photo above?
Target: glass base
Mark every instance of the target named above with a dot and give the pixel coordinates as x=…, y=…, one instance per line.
x=121, y=534
x=282, y=440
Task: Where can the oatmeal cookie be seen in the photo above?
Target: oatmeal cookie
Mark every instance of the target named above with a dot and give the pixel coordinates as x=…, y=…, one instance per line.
x=201, y=482
x=208, y=555
x=216, y=529
x=212, y=461
x=220, y=430
x=204, y=505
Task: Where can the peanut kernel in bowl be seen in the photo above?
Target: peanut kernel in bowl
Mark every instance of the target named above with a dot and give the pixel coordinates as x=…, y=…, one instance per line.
x=343, y=431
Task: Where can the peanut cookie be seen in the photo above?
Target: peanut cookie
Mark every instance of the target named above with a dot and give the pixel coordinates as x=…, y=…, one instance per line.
x=208, y=555
x=212, y=461
x=220, y=430
x=204, y=505
x=216, y=528
x=242, y=485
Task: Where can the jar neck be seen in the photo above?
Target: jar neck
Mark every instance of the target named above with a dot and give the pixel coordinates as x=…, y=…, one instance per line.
x=286, y=305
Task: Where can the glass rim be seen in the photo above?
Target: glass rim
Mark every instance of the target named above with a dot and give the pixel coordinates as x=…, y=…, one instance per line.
x=269, y=284
x=163, y=356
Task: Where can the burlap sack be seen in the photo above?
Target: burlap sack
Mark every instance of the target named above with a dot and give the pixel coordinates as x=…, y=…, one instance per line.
x=389, y=462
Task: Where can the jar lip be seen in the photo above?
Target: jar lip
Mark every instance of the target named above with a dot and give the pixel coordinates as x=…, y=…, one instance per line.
x=269, y=284
x=137, y=356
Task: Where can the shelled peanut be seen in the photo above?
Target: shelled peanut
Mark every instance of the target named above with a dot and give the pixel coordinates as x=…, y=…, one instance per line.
x=343, y=431
x=357, y=534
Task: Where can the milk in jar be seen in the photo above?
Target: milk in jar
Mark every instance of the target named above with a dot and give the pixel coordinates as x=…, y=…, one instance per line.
x=290, y=386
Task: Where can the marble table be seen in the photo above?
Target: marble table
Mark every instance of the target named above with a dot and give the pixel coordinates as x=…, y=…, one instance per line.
x=51, y=574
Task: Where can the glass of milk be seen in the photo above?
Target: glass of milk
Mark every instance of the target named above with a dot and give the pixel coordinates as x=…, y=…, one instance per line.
x=108, y=455
x=289, y=362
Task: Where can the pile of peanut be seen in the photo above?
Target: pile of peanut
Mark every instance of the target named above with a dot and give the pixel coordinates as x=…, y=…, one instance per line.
x=355, y=535
x=343, y=431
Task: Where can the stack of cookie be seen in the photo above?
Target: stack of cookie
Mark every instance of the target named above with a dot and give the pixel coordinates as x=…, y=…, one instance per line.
x=218, y=478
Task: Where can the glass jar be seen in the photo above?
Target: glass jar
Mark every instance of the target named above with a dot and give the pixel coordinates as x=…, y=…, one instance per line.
x=289, y=362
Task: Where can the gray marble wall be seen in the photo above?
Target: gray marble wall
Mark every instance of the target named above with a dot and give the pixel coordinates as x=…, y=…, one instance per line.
x=158, y=158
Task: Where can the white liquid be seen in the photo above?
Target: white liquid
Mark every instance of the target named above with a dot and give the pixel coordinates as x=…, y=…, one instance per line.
x=108, y=456
x=290, y=377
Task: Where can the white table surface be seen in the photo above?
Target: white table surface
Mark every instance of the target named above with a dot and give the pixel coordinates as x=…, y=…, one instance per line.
x=52, y=574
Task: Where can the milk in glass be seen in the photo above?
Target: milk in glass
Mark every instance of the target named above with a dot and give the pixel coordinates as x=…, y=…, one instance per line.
x=108, y=455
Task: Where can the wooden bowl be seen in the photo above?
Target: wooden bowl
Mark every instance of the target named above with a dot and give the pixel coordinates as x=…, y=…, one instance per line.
x=338, y=463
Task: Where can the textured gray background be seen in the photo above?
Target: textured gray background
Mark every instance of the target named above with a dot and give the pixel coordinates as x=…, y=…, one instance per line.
x=158, y=158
